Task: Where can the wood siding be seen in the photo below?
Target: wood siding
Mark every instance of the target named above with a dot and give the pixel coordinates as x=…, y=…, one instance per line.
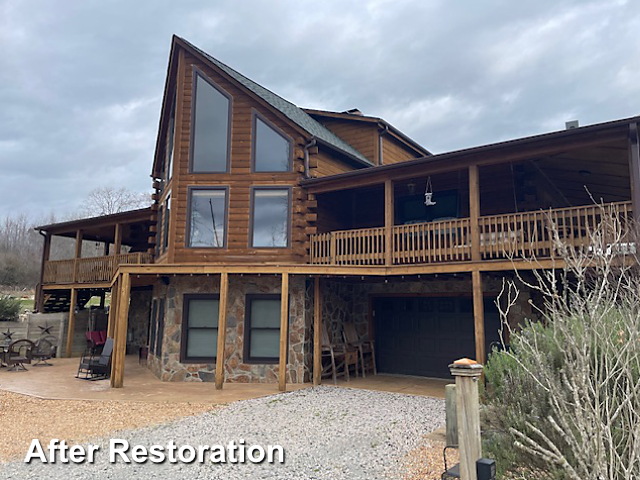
x=394, y=151
x=239, y=179
x=360, y=135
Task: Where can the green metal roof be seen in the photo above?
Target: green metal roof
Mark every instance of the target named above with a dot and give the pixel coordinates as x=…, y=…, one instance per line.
x=291, y=111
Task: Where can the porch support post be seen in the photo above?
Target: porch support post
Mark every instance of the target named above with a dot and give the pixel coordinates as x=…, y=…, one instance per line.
x=474, y=212
x=113, y=310
x=117, y=242
x=71, y=324
x=634, y=169
x=478, y=316
x=222, y=329
x=389, y=210
x=317, y=332
x=284, y=332
x=78, y=254
x=120, y=342
x=46, y=253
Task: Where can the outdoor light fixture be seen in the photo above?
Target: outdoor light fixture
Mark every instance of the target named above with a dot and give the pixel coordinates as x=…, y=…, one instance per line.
x=412, y=188
x=428, y=194
x=584, y=173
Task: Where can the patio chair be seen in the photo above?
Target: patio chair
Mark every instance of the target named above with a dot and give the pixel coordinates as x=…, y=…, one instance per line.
x=337, y=354
x=93, y=367
x=45, y=350
x=19, y=353
x=95, y=340
x=365, y=348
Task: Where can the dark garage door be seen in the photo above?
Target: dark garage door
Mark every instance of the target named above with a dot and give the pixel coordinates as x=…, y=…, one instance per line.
x=423, y=335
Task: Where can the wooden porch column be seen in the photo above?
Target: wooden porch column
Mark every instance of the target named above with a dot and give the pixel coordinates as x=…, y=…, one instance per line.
x=117, y=242
x=46, y=253
x=634, y=169
x=113, y=310
x=284, y=332
x=120, y=342
x=78, y=254
x=71, y=324
x=389, y=210
x=474, y=212
x=222, y=329
x=317, y=332
x=478, y=316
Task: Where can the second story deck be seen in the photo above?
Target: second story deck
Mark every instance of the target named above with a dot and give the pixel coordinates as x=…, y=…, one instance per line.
x=522, y=235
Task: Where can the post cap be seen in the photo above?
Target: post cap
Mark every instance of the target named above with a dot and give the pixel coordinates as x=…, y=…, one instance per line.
x=465, y=367
x=465, y=361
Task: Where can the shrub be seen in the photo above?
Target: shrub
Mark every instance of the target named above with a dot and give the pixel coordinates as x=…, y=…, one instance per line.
x=9, y=308
x=564, y=402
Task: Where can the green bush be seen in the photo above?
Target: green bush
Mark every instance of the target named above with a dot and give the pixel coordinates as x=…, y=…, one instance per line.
x=9, y=308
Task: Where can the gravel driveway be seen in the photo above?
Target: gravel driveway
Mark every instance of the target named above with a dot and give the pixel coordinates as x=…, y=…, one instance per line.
x=327, y=433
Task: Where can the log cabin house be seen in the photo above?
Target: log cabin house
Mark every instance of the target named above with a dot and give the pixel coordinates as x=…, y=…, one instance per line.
x=269, y=221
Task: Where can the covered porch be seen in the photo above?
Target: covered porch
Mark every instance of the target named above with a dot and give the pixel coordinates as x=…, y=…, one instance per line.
x=88, y=251
x=484, y=204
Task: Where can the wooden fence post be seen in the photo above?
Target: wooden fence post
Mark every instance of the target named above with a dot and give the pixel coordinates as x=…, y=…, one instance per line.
x=467, y=373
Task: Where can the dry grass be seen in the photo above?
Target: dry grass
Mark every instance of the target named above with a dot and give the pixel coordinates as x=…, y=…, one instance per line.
x=24, y=418
x=426, y=462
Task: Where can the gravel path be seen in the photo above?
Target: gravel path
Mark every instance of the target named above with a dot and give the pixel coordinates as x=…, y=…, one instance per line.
x=327, y=433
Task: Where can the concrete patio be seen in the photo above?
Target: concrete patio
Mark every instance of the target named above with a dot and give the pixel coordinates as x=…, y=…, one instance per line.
x=140, y=385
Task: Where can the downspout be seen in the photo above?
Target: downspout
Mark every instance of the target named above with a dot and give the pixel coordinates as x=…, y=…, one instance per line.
x=382, y=130
x=312, y=143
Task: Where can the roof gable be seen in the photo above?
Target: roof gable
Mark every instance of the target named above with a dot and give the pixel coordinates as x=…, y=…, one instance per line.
x=295, y=114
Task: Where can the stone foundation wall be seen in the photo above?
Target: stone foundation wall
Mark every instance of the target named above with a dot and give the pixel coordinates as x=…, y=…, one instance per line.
x=139, y=311
x=170, y=368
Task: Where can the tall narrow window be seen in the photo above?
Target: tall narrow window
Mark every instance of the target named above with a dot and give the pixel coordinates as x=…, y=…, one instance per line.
x=262, y=329
x=167, y=219
x=168, y=172
x=271, y=149
x=160, y=332
x=270, y=217
x=200, y=328
x=210, y=125
x=159, y=232
x=207, y=217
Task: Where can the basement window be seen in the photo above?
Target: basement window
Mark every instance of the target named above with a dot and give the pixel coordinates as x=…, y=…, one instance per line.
x=262, y=329
x=211, y=120
x=272, y=149
x=199, y=328
x=270, y=217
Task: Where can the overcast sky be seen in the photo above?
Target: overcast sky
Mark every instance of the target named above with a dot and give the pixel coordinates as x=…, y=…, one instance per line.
x=81, y=81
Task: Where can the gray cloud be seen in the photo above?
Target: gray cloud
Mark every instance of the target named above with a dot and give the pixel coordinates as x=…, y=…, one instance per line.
x=81, y=82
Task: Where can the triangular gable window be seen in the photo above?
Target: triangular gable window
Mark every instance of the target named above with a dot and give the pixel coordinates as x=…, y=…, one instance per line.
x=271, y=149
x=210, y=126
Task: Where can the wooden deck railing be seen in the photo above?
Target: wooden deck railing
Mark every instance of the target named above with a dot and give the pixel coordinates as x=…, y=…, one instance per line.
x=528, y=234
x=89, y=270
x=364, y=246
x=520, y=235
x=433, y=242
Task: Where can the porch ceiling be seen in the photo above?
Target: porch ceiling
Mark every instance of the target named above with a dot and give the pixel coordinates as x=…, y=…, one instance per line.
x=135, y=227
